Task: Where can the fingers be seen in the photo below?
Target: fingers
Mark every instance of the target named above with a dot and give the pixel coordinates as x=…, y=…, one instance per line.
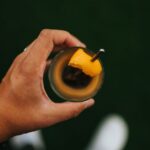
x=46, y=42
x=67, y=110
x=38, y=51
x=30, y=45
x=66, y=39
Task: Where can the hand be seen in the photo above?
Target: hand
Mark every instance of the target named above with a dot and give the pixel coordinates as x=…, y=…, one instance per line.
x=24, y=104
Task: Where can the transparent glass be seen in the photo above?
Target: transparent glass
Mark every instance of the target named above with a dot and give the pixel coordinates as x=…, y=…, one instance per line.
x=81, y=87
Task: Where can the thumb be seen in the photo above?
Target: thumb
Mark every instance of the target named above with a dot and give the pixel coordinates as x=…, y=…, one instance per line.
x=67, y=110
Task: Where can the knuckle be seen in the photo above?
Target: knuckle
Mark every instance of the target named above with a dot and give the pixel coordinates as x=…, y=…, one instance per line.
x=26, y=72
x=71, y=114
x=45, y=32
x=17, y=58
x=65, y=32
x=16, y=81
x=76, y=112
x=51, y=32
x=20, y=76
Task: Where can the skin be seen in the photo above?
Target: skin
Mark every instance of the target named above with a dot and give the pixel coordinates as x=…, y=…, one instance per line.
x=24, y=104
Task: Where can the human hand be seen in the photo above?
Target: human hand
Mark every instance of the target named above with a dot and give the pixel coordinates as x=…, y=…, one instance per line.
x=24, y=104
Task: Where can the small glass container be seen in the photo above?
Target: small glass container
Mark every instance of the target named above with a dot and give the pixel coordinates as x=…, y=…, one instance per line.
x=70, y=83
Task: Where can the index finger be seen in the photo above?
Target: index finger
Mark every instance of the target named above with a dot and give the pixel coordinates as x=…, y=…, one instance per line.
x=46, y=42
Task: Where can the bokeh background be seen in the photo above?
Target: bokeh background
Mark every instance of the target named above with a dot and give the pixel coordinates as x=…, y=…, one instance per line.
x=122, y=28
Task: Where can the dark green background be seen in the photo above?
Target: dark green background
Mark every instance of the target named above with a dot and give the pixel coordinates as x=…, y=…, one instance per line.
x=122, y=28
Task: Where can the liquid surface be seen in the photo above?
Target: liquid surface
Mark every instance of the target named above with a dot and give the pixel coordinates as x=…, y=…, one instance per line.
x=75, y=77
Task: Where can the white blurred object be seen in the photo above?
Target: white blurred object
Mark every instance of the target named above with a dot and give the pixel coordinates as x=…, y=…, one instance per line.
x=32, y=138
x=112, y=134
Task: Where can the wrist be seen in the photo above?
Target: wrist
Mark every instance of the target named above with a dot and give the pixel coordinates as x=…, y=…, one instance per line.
x=4, y=131
x=4, y=122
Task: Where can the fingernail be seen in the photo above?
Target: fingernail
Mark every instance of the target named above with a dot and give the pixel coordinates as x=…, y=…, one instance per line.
x=89, y=103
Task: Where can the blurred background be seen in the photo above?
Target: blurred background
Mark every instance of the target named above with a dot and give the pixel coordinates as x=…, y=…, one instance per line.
x=122, y=29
